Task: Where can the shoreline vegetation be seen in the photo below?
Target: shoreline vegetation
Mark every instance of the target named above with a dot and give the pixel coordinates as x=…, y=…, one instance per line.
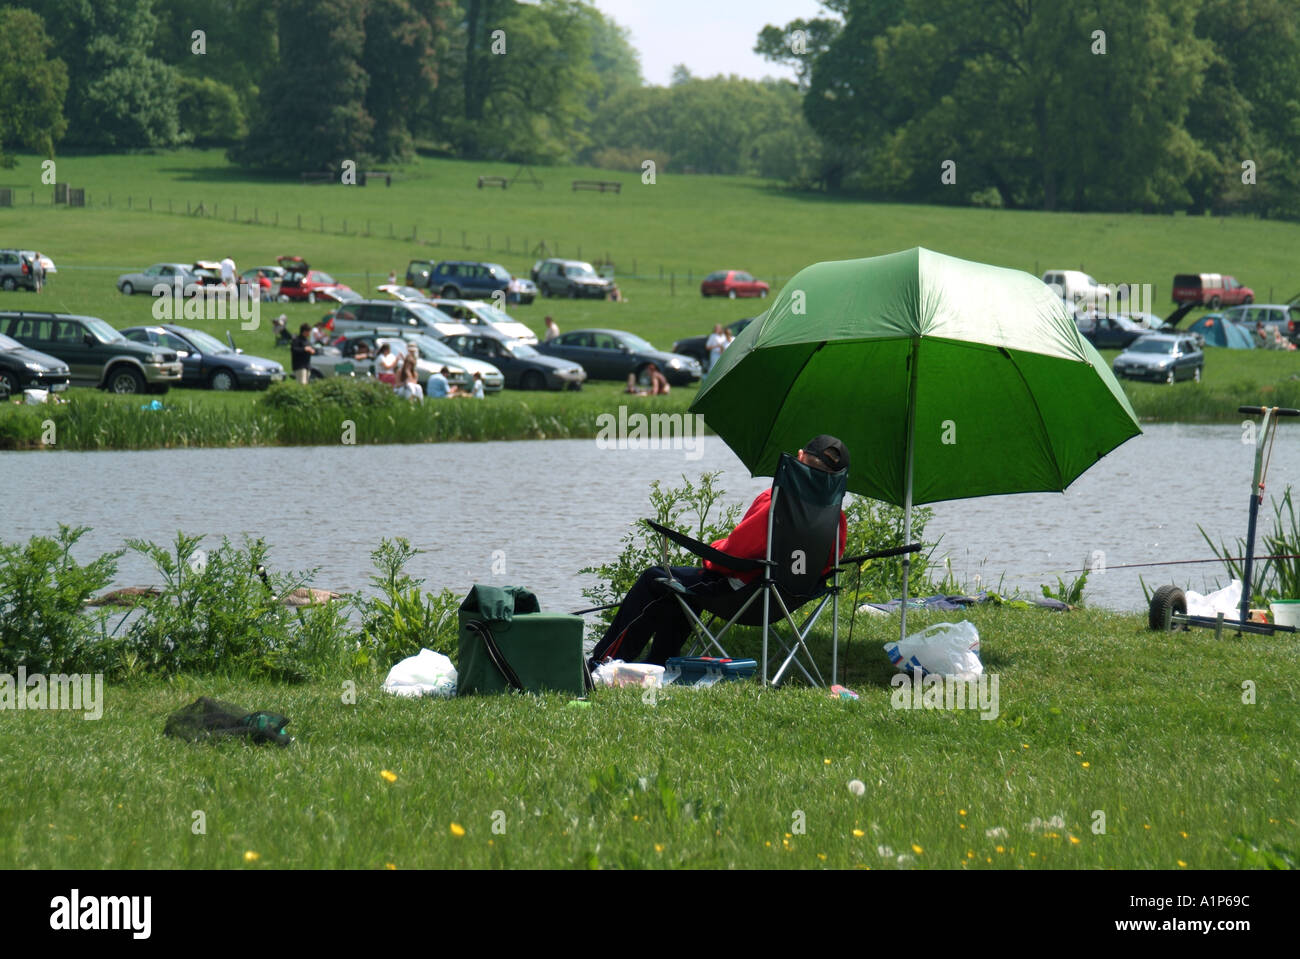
x=360, y=412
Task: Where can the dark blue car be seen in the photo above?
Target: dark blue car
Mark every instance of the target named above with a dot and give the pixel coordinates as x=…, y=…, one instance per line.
x=206, y=361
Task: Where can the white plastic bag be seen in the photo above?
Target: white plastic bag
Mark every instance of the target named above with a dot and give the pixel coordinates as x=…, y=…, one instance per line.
x=946, y=649
x=618, y=673
x=425, y=674
x=1226, y=601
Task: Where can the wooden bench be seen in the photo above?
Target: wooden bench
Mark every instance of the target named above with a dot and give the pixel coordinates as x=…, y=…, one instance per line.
x=377, y=174
x=317, y=176
x=493, y=181
x=603, y=186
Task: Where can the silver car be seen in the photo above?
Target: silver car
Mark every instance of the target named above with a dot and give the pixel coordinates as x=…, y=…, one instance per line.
x=168, y=274
x=1161, y=358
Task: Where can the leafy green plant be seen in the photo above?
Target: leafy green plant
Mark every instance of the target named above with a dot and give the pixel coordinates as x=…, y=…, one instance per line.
x=1270, y=578
x=216, y=613
x=1069, y=593
x=44, y=623
x=691, y=509
x=403, y=618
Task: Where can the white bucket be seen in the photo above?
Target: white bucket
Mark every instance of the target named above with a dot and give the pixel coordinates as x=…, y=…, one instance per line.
x=1286, y=612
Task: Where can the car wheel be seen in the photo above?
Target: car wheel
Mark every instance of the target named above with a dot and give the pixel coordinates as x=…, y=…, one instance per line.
x=762, y=294
x=1214, y=302
x=545, y=290
x=1248, y=300
x=1167, y=598
x=222, y=380
x=573, y=293
x=125, y=380
x=282, y=298
x=8, y=385
x=311, y=297
x=449, y=293
x=533, y=381
x=731, y=294
x=9, y=284
x=1196, y=375
x=1169, y=377
x=128, y=289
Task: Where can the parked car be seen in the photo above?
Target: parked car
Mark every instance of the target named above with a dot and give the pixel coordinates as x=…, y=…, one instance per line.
x=96, y=354
x=301, y=283
x=694, y=346
x=407, y=294
x=1210, y=289
x=357, y=353
x=206, y=272
x=733, y=283
x=522, y=365
x=1283, y=317
x=475, y=313
x=1075, y=286
x=168, y=274
x=1161, y=358
x=393, y=314
x=572, y=278
x=454, y=279
x=206, y=361
x=1109, y=332
x=613, y=354
x=338, y=294
x=17, y=269
x=22, y=368
x=437, y=352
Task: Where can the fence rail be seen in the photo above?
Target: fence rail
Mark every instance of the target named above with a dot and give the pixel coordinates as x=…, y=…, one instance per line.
x=453, y=239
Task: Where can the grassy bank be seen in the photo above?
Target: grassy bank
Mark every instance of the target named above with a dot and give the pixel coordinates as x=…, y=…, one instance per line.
x=193, y=418
x=1096, y=715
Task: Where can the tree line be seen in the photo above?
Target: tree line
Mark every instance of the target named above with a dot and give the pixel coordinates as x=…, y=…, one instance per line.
x=1150, y=105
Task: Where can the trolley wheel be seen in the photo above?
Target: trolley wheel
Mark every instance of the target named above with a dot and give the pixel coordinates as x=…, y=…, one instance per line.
x=1166, y=598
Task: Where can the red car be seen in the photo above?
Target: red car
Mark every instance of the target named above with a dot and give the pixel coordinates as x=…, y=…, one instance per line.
x=1210, y=289
x=301, y=282
x=733, y=283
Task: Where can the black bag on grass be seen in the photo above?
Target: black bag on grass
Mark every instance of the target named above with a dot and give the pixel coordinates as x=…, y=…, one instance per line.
x=211, y=719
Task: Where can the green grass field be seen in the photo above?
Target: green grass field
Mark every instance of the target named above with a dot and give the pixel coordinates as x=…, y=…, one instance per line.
x=1096, y=713
x=1096, y=716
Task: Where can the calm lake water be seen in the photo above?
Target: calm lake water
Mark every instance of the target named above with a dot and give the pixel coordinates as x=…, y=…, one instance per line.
x=555, y=506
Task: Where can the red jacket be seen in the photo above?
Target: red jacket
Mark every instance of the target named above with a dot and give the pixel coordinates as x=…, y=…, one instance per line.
x=749, y=539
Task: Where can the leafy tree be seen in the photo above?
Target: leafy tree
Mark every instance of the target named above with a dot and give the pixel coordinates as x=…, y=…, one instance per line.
x=399, y=60
x=311, y=109
x=238, y=43
x=119, y=95
x=210, y=111
x=34, y=85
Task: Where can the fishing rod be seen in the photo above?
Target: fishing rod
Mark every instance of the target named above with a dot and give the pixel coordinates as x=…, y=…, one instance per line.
x=1174, y=562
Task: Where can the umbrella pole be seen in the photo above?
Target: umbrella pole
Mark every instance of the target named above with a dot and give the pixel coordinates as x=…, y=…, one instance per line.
x=907, y=494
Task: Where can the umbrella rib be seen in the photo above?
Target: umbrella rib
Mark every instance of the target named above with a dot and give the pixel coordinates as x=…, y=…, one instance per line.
x=1051, y=450
x=793, y=380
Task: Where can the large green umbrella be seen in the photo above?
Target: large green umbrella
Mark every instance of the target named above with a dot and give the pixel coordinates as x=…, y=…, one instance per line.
x=943, y=377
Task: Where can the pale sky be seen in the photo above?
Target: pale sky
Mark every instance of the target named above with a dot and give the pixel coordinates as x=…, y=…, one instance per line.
x=709, y=36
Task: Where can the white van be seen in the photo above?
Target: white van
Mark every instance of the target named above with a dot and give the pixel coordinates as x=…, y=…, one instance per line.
x=1077, y=287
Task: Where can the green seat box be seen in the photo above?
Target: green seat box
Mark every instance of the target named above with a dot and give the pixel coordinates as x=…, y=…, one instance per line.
x=544, y=649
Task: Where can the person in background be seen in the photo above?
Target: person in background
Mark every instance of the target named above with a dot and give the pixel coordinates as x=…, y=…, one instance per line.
x=479, y=392
x=409, y=376
x=633, y=387
x=392, y=277
x=552, y=330
x=716, y=343
x=320, y=333
x=264, y=286
x=439, y=388
x=301, y=352
x=227, y=272
x=658, y=382
x=386, y=365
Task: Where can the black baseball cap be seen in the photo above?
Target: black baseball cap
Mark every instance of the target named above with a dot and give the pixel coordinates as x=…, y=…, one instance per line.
x=830, y=450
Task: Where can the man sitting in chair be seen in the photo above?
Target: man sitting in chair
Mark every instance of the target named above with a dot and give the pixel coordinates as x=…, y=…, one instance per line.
x=651, y=610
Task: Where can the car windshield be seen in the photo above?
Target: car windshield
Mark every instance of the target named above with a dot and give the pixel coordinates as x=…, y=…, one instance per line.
x=429, y=347
x=498, y=271
x=103, y=332
x=8, y=344
x=1151, y=345
x=635, y=342
x=493, y=314
x=522, y=350
x=430, y=314
x=206, y=343
x=581, y=270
